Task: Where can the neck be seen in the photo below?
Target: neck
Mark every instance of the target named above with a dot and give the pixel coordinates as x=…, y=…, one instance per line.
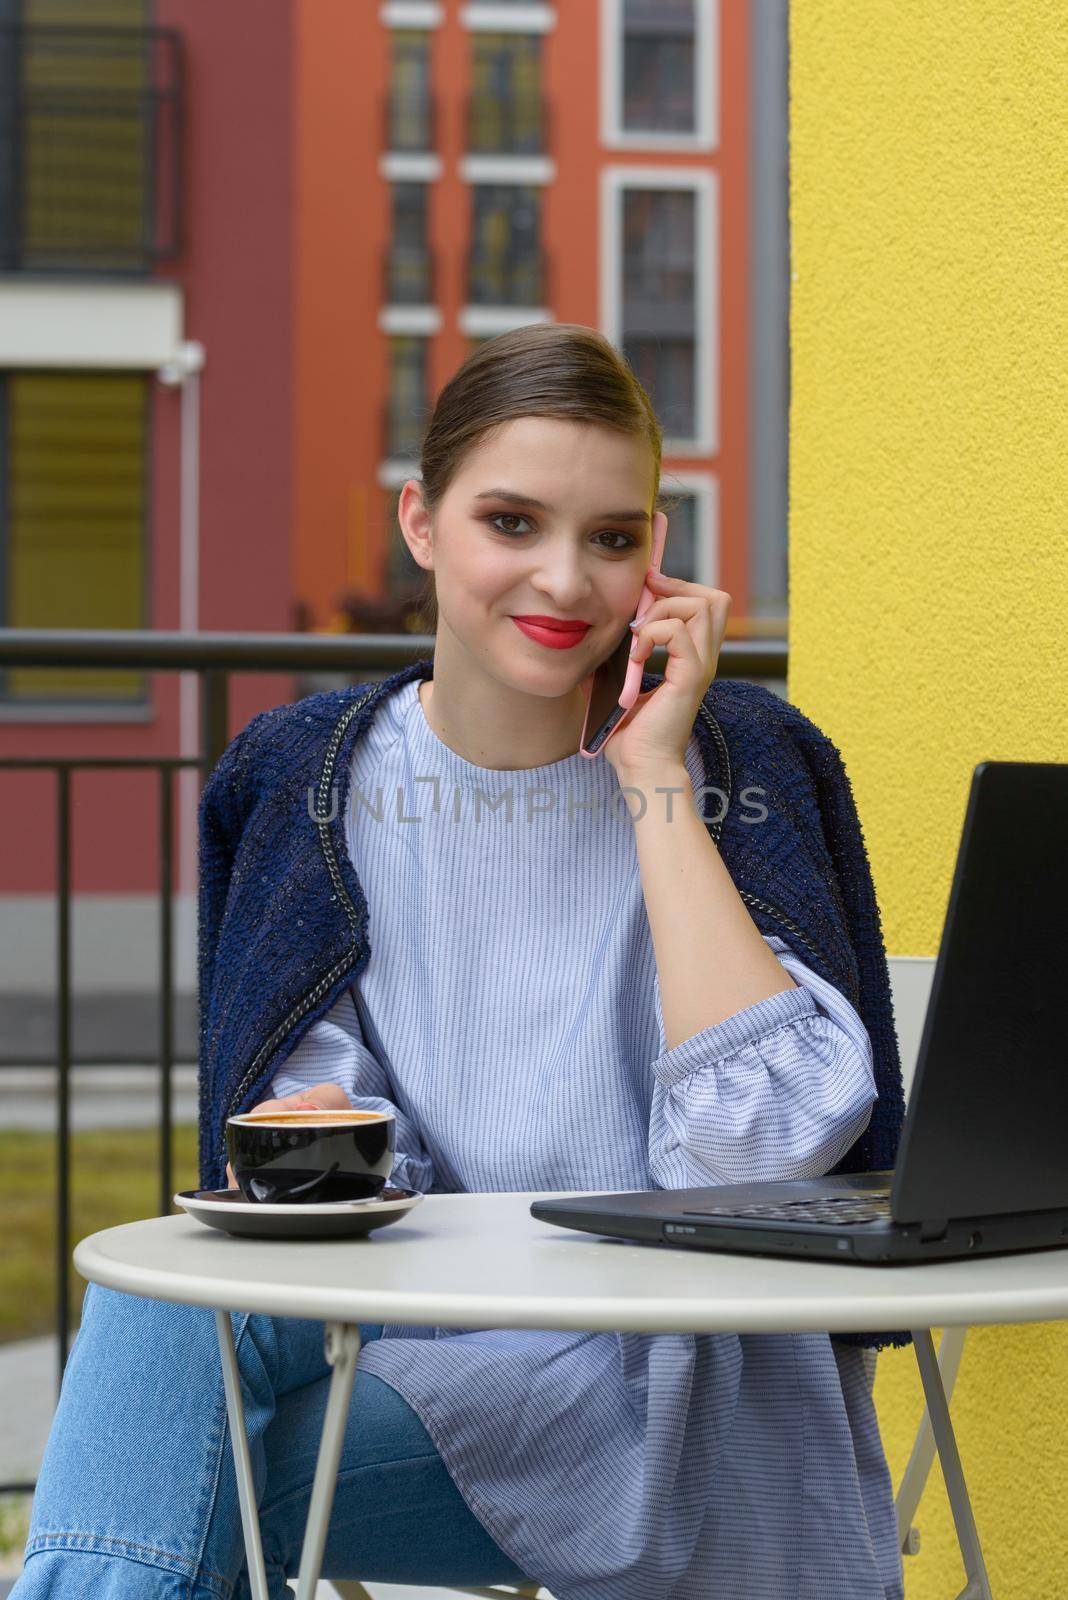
x=493, y=726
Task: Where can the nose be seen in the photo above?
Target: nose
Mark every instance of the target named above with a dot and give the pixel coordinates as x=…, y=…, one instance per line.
x=561, y=576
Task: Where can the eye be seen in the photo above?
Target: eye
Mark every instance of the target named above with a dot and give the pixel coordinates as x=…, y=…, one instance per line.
x=505, y=516
x=628, y=542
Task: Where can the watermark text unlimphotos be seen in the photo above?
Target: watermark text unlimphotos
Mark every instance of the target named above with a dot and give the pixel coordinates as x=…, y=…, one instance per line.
x=629, y=803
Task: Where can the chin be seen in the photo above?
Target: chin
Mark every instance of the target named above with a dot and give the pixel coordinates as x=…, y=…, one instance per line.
x=553, y=679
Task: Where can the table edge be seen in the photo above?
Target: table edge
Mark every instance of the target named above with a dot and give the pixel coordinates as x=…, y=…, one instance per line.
x=871, y=1314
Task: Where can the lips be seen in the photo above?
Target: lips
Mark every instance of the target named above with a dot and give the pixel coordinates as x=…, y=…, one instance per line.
x=547, y=631
x=553, y=622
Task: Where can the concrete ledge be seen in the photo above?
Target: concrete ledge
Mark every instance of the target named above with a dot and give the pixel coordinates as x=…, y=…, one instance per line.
x=121, y=1026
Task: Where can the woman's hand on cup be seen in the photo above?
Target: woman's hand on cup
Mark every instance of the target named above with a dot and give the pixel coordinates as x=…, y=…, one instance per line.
x=320, y=1097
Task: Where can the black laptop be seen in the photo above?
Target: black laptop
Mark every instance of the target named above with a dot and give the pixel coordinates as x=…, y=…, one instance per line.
x=982, y=1164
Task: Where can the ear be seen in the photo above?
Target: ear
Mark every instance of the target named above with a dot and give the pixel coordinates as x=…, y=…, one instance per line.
x=414, y=519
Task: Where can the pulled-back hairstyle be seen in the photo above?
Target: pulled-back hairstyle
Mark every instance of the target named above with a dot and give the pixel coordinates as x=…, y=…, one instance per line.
x=543, y=369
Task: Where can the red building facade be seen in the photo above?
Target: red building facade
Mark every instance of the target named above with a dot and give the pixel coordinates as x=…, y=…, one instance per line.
x=229, y=299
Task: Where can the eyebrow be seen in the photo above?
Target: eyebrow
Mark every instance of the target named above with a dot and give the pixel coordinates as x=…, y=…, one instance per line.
x=515, y=499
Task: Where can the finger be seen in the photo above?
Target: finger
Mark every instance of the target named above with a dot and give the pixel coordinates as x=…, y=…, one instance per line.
x=685, y=606
x=706, y=628
x=330, y=1097
x=670, y=631
x=693, y=611
x=231, y=1181
x=662, y=584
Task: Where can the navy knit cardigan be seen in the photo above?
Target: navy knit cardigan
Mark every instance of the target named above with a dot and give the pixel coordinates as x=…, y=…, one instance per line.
x=283, y=922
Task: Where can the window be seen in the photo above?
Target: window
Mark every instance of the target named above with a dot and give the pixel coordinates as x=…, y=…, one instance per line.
x=506, y=111
x=690, y=501
x=409, y=280
x=658, y=66
x=404, y=575
x=680, y=551
x=406, y=408
x=659, y=292
x=410, y=119
x=73, y=520
x=659, y=73
x=89, y=129
x=665, y=369
x=506, y=266
x=658, y=301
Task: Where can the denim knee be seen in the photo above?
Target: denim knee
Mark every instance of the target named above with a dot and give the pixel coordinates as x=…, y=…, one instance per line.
x=79, y=1567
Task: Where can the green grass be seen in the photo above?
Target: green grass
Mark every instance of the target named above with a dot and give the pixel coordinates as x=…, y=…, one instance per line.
x=14, y=1523
x=113, y=1178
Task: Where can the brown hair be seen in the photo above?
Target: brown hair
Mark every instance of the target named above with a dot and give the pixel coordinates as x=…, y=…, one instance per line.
x=543, y=369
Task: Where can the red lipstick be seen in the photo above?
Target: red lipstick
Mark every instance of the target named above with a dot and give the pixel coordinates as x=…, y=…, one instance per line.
x=554, y=632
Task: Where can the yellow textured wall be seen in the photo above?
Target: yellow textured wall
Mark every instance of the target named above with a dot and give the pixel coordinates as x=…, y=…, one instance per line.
x=929, y=552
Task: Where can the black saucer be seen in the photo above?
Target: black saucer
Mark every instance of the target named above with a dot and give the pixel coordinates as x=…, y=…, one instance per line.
x=228, y=1210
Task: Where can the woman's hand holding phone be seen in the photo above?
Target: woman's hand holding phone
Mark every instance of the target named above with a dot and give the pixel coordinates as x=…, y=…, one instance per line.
x=690, y=619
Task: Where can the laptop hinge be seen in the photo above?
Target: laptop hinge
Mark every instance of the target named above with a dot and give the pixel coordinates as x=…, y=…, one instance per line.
x=933, y=1230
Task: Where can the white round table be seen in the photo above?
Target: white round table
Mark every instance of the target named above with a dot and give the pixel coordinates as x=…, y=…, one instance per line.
x=481, y=1260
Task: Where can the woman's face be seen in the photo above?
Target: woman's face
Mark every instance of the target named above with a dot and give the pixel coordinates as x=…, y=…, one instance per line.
x=581, y=554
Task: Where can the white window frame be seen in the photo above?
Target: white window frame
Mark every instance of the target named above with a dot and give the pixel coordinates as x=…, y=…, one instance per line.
x=400, y=166
x=483, y=16
x=411, y=14
x=89, y=325
x=704, y=486
x=705, y=185
x=507, y=169
x=425, y=320
x=500, y=319
x=706, y=85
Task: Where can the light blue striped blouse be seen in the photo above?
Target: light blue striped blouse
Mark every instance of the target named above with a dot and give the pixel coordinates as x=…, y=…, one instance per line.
x=510, y=1017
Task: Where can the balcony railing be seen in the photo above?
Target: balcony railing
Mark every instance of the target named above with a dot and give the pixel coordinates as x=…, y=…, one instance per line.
x=409, y=276
x=90, y=148
x=507, y=125
x=517, y=280
x=410, y=123
x=213, y=656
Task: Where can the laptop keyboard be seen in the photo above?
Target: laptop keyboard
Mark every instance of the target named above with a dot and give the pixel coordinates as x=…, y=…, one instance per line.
x=872, y=1206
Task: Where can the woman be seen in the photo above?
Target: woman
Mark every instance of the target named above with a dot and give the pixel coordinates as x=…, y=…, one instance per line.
x=567, y=978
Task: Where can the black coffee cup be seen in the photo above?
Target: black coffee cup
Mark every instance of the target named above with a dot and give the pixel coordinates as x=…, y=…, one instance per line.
x=300, y=1157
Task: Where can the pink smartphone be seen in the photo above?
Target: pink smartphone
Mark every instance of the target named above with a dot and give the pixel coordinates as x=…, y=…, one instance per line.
x=612, y=690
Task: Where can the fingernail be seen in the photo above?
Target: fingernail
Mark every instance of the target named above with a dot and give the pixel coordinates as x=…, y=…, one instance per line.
x=633, y=624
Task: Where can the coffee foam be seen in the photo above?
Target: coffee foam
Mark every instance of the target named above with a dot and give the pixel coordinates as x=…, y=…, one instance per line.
x=319, y=1119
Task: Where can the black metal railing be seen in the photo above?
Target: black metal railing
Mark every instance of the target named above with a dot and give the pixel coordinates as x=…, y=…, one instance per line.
x=91, y=134
x=410, y=122
x=214, y=657
x=508, y=280
x=409, y=276
x=507, y=124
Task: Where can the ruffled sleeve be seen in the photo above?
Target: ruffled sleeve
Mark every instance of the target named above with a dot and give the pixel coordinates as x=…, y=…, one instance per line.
x=334, y=1051
x=779, y=1090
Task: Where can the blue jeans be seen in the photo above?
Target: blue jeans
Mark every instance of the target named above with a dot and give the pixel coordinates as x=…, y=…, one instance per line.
x=137, y=1495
